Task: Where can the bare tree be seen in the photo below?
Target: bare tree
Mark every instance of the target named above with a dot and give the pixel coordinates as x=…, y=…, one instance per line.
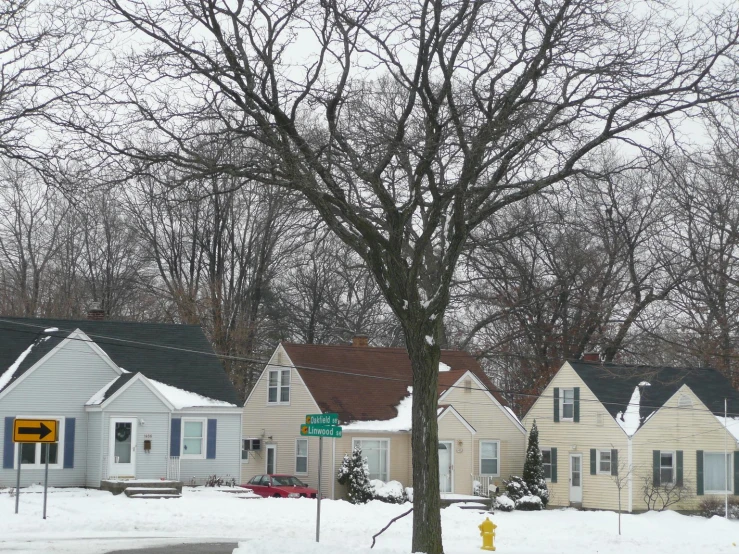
x=407, y=124
x=621, y=479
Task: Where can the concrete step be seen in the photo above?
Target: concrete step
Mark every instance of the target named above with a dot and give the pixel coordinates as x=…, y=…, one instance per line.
x=149, y=491
x=154, y=496
x=472, y=506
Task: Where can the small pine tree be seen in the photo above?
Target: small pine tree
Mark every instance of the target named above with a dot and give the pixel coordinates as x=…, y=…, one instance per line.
x=533, y=468
x=354, y=472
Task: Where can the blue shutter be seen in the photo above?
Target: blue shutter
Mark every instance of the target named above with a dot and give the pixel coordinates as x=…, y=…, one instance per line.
x=614, y=461
x=699, y=471
x=175, y=436
x=679, y=468
x=556, y=404
x=656, y=460
x=69, y=429
x=210, y=452
x=554, y=465
x=8, y=450
x=592, y=461
x=576, y=406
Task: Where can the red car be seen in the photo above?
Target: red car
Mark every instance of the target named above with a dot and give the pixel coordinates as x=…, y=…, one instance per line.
x=280, y=486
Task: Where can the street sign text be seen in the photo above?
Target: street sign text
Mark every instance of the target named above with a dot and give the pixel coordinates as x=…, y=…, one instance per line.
x=328, y=431
x=322, y=419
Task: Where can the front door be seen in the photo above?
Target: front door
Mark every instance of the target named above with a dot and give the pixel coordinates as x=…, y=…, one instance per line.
x=271, y=459
x=576, y=478
x=122, y=453
x=446, y=479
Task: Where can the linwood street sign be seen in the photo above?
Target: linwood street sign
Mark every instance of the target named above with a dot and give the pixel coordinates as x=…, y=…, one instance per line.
x=322, y=419
x=35, y=430
x=328, y=431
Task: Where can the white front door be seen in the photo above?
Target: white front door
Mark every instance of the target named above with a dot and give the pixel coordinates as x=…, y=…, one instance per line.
x=271, y=459
x=446, y=466
x=122, y=453
x=576, y=478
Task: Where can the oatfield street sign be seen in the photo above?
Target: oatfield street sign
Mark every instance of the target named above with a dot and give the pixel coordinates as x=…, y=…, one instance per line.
x=327, y=431
x=322, y=419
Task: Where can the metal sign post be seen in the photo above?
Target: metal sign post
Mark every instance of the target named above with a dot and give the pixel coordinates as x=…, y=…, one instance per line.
x=35, y=431
x=318, y=496
x=18, y=482
x=46, y=476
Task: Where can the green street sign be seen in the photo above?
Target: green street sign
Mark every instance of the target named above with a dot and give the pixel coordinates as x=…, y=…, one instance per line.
x=322, y=419
x=328, y=431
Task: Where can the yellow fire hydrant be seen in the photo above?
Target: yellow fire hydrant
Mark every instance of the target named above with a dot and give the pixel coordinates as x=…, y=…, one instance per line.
x=487, y=532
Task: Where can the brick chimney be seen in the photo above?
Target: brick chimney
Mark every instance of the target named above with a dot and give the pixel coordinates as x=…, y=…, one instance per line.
x=95, y=312
x=360, y=340
x=591, y=357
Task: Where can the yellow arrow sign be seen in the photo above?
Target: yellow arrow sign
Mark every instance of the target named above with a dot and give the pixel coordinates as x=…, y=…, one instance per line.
x=36, y=430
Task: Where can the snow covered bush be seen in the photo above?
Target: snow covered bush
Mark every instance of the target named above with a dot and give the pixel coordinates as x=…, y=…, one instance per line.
x=354, y=473
x=391, y=492
x=504, y=504
x=533, y=468
x=516, y=488
x=409, y=493
x=529, y=503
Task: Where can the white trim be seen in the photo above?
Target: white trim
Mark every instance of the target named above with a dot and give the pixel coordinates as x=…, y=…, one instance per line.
x=674, y=465
x=598, y=452
x=134, y=421
x=78, y=336
x=480, y=456
x=307, y=456
x=280, y=370
x=204, y=439
x=139, y=377
x=266, y=459
x=630, y=447
x=562, y=404
x=462, y=420
x=569, y=477
x=482, y=387
x=387, y=454
x=59, y=452
x=549, y=448
x=451, y=444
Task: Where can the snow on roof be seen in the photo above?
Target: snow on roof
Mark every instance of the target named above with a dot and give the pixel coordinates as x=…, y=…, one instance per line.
x=443, y=367
x=401, y=422
x=51, y=330
x=631, y=420
x=99, y=396
x=8, y=375
x=185, y=399
x=512, y=413
x=731, y=424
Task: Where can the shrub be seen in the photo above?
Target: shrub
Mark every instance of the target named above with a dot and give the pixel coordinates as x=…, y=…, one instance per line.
x=533, y=469
x=504, y=504
x=716, y=506
x=529, y=503
x=516, y=488
x=354, y=473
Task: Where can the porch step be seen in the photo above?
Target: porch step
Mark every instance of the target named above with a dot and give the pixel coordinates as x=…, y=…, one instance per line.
x=119, y=486
x=148, y=491
x=473, y=506
x=154, y=496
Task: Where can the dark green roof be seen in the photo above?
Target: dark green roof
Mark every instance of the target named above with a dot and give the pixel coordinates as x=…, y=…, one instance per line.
x=177, y=355
x=614, y=384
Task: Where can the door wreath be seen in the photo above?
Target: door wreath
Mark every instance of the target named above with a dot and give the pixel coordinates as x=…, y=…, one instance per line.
x=122, y=433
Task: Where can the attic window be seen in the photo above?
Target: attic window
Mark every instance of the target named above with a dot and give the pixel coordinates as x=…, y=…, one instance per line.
x=684, y=401
x=279, y=386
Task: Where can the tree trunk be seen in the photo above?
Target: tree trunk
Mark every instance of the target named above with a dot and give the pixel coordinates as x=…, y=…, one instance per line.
x=425, y=439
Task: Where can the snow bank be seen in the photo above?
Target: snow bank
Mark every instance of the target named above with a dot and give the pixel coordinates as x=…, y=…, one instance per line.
x=401, y=422
x=8, y=375
x=630, y=420
x=185, y=399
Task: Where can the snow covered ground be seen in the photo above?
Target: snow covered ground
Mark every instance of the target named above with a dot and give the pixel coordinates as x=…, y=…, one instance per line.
x=287, y=526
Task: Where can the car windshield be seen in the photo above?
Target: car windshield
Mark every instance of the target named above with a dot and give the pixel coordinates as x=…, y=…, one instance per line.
x=286, y=481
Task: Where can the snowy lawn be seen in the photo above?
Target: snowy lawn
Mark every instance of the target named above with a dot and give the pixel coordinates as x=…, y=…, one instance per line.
x=287, y=526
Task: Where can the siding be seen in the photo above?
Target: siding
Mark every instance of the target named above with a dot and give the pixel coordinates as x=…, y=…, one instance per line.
x=94, y=443
x=491, y=423
x=451, y=429
x=599, y=491
x=60, y=386
x=686, y=429
x=228, y=450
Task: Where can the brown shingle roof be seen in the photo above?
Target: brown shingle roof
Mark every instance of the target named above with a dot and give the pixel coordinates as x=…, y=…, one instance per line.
x=337, y=377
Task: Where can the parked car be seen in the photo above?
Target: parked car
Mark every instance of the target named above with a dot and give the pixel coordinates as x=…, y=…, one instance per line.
x=280, y=486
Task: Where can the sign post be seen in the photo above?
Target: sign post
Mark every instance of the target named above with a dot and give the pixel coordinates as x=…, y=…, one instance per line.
x=320, y=425
x=37, y=431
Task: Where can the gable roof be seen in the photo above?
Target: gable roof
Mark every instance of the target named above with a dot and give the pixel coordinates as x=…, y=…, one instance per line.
x=614, y=385
x=367, y=383
x=148, y=348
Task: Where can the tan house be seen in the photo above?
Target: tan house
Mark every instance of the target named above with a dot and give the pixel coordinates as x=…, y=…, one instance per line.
x=480, y=439
x=649, y=429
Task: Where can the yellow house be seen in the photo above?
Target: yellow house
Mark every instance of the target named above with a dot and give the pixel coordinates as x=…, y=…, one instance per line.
x=480, y=440
x=637, y=436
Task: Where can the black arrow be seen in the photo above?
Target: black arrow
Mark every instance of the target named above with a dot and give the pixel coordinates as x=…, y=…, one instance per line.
x=41, y=431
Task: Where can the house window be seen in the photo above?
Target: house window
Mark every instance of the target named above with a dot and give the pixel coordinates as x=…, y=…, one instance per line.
x=193, y=438
x=604, y=461
x=568, y=404
x=377, y=452
x=33, y=455
x=546, y=456
x=666, y=468
x=489, y=457
x=717, y=474
x=279, y=386
x=301, y=456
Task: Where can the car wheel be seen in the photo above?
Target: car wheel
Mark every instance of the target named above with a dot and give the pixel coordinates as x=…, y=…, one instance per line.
x=276, y=496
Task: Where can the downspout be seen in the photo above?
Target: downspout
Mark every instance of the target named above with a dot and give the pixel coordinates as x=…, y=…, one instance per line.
x=631, y=473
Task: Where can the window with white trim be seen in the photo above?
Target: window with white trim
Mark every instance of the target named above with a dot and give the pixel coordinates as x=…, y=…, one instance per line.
x=567, y=404
x=490, y=458
x=717, y=473
x=666, y=468
x=301, y=456
x=546, y=458
x=193, y=438
x=604, y=462
x=377, y=453
x=279, y=386
x=33, y=455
